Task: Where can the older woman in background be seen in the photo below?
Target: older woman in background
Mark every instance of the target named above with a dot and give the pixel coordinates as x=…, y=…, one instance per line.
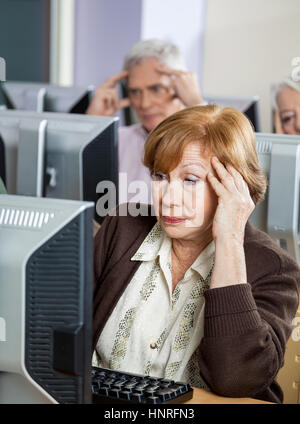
x=287, y=107
x=194, y=292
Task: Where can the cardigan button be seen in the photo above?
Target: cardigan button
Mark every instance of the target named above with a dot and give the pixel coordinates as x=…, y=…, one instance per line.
x=153, y=345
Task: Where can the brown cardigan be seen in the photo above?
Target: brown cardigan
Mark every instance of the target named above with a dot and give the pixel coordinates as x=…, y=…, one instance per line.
x=246, y=326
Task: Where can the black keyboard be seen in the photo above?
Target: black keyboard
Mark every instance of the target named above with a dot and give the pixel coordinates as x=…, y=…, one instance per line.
x=110, y=386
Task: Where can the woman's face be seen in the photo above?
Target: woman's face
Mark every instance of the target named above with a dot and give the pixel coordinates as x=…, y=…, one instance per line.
x=184, y=202
x=288, y=102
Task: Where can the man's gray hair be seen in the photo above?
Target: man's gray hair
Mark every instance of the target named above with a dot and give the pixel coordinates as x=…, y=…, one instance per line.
x=164, y=51
x=286, y=82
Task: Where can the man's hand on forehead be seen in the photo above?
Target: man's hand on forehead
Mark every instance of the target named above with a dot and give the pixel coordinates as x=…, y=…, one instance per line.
x=185, y=84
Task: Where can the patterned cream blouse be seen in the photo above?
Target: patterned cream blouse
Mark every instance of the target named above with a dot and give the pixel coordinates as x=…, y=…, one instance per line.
x=153, y=331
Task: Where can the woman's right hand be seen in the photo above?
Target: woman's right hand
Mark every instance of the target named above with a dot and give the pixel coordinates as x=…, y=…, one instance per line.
x=106, y=101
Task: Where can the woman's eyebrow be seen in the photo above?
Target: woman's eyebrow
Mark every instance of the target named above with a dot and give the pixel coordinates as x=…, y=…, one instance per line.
x=203, y=165
x=287, y=110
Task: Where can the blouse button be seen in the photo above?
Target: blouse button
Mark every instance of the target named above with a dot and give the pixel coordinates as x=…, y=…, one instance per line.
x=153, y=345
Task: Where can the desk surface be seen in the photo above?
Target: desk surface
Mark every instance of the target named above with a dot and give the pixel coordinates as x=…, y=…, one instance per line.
x=202, y=396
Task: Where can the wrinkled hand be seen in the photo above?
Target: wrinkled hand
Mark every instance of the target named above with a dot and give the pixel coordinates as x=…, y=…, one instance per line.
x=185, y=84
x=234, y=203
x=106, y=101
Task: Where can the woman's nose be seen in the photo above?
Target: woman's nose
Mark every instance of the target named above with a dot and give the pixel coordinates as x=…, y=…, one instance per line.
x=172, y=194
x=146, y=99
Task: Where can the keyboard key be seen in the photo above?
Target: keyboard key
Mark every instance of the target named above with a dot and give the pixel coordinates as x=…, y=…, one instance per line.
x=114, y=392
x=166, y=383
x=182, y=388
x=119, y=383
x=130, y=385
x=141, y=386
x=175, y=389
x=108, y=382
x=153, y=400
x=154, y=380
x=164, y=394
x=124, y=394
x=112, y=375
x=137, y=397
x=95, y=388
x=103, y=391
x=151, y=389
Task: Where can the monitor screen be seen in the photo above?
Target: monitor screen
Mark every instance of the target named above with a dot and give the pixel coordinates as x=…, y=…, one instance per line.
x=247, y=105
x=46, y=274
x=42, y=97
x=278, y=213
x=59, y=155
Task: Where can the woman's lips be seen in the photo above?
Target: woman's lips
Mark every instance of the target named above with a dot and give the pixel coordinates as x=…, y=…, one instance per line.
x=172, y=220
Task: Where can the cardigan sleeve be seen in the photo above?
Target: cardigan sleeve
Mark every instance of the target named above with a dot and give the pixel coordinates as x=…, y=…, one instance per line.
x=246, y=328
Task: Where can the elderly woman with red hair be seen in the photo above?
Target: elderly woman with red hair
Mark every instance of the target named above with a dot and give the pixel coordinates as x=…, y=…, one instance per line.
x=192, y=291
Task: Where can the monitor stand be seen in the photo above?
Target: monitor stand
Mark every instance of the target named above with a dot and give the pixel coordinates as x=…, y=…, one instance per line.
x=32, y=152
x=15, y=388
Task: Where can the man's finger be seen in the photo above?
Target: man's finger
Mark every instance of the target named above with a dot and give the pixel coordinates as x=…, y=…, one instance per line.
x=124, y=103
x=114, y=79
x=164, y=69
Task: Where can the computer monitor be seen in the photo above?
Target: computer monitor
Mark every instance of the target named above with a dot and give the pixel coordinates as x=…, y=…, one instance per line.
x=43, y=97
x=247, y=105
x=46, y=274
x=58, y=155
x=278, y=214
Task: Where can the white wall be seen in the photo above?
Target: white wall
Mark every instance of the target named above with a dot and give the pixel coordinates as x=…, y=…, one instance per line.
x=249, y=44
x=181, y=21
x=104, y=32
x=62, y=42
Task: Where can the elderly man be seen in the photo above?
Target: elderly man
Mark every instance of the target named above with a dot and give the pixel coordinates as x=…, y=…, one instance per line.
x=158, y=86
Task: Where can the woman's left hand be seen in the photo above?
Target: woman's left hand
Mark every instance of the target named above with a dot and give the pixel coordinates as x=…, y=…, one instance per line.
x=235, y=204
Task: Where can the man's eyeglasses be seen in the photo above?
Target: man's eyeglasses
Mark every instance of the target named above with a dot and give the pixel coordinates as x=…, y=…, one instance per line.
x=157, y=92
